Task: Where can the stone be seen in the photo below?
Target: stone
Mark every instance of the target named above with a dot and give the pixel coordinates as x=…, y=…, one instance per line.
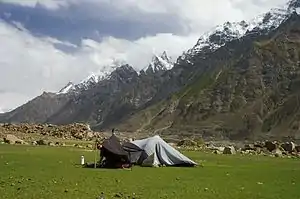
x=277, y=153
x=248, y=147
x=57, y=143
x=229, y=150
x=51, y=144
x=217, y=152
x=118, y=195
x=214, y=148
x=90, y=135
x=186, y=143
x=258, y=145
x=271, y=146
x=11, y=139
x=69, y=131
x=41, y=142
x=288, y=147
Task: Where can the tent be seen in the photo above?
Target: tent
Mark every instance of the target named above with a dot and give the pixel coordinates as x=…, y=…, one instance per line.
x=154, y=151
x=135, y=153
x=112, y=153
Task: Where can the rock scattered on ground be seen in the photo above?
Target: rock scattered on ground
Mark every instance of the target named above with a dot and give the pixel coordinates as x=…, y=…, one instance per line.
x=12, y=139
x=267, y=148
x=229, y=150
x=71, y=131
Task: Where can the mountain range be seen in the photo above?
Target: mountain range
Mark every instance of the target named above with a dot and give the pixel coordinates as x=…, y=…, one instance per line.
x=239, y=81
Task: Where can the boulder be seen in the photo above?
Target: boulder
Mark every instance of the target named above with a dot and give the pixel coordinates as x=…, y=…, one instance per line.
x=277, y=153
x=288, y=147
x=271, y=146
x=258, y=145
x=21, y=142
x=217, y=152
x=90, y=135
x=41, y=142
x=215, y=148
x=250, y=147
x=51, y=144
x=11, y=139
x=186, y=142
x=229, y=150
x=34, y=143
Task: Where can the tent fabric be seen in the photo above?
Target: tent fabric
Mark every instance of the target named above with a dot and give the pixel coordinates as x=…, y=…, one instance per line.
x=114, y=146
x=113, y=153
x=157, y=152
x=134, y=152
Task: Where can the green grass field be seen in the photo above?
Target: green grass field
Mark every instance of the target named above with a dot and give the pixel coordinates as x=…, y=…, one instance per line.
x=45, y=172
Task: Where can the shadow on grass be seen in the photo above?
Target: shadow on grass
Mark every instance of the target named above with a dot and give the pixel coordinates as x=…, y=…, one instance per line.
x=98, y=166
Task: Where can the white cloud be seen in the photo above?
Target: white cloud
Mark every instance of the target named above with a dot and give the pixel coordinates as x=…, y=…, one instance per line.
x=31, y=65
x=51, y=4
x=198, y=14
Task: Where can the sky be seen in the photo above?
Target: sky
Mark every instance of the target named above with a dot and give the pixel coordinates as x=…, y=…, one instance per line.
x=47, y=43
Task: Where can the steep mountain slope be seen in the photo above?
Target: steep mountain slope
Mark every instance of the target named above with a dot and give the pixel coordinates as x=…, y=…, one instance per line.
x=38, y=109
x=124, y=92
x=100, y=99
x=250, y=90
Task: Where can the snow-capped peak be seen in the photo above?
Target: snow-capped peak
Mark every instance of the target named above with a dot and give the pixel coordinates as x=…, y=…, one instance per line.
x=292, y=5
x=92, y=79
x=220, y=35
x=67, y=88
x=159, y=63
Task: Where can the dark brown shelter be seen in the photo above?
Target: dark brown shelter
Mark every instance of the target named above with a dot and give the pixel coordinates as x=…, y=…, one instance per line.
x=112, y=154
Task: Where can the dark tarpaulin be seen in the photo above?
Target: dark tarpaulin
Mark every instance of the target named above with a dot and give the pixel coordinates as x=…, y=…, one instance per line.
x=114, y=146
x=135, y=152
x=115, y=155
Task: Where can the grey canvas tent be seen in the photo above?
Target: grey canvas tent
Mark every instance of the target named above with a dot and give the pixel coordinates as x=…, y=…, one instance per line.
x=154, y=151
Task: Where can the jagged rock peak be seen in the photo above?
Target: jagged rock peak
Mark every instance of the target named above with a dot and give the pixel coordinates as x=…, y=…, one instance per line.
x=93, y=78
x=124, y=69
x=293, y=5
x=220, y=35
x=159, y=63
x=67, y=88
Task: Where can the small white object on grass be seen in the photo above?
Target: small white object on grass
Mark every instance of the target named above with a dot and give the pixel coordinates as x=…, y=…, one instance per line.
x=82, y=160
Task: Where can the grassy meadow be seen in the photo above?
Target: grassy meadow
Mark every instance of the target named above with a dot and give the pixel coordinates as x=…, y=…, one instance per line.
x=53, y=173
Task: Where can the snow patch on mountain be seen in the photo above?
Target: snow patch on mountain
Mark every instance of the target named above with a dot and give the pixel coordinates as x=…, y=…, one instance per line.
x=67, y=88
x=159, y=63
x=220, y=35
x=92, y=79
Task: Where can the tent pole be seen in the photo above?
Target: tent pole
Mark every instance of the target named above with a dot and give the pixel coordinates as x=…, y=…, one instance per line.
x=95, y=154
